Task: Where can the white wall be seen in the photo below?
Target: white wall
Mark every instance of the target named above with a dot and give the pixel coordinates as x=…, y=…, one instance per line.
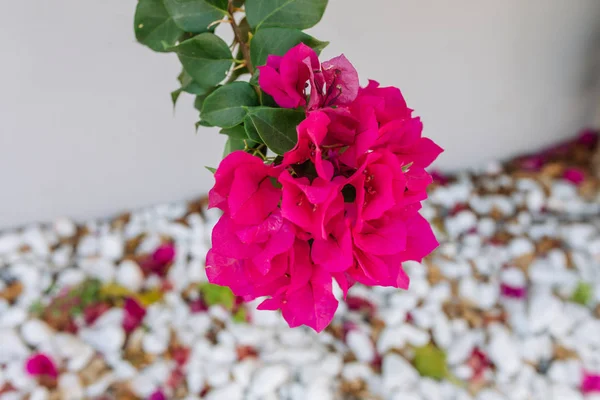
x=86, y=126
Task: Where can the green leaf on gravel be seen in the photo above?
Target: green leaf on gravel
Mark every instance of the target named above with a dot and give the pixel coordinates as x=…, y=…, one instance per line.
x=583, y=294
x=214, y=294
x=430, y=361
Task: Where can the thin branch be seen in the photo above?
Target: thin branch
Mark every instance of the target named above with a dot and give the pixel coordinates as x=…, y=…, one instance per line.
x=238, y=37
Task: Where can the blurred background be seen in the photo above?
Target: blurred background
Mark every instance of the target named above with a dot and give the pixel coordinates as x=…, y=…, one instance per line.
x=87, y=128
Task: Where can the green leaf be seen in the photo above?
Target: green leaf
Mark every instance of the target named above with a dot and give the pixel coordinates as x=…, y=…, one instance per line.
x=211, y=169
x=154, y=26
x=226, y=106
x=238, y=3
x=199, y=102
x=430, y=361
x=236, y=132
x=300, y=14
x=276, y=126
x=278, y=41
x=233, y=145
x=206, y=57
x=213, y=294
x=250, y=130
x=240, y=315
x=195, y=15
x=174, y=96
x=583, y=293
x=188, y=85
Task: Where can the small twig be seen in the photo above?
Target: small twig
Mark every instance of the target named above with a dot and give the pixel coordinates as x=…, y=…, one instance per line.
x=238, y=37
x=224, y=21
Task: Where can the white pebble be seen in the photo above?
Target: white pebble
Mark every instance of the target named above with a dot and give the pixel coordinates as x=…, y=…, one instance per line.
x=130, y=275
x=361, y=345
x=398, y=373
x=268, y=379
x=36, y=332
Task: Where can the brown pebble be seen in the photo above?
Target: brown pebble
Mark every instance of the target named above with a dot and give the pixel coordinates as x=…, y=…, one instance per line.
x=93, y=371
x=12, y=291
x=562, y=353
x=553, y=170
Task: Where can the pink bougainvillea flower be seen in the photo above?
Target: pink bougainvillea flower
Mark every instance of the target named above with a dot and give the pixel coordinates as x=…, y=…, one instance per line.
x=275, y=235
x=242, y=183
x=41, y=365
x=392, y=105
x=311, y=133
x=285, y=78
x=403, y=138
x=133, y=315
x=310, y=205
x=366, y=129
x=308, y=300
x=380, y=184
x=420, y=239
x=229, y=271
x=334, y=253
x=513, y=292
x=341, y=82
x=574, y=175
x=590, y=383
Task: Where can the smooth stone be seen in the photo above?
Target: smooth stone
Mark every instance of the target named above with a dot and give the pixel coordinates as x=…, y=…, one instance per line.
x=398, y=373
x=268, y=379
x=361, y=345
x=35, y=332
x=130, y=275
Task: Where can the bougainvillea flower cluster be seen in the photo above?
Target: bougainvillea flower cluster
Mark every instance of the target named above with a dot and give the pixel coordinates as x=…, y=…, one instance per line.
x=342, y=205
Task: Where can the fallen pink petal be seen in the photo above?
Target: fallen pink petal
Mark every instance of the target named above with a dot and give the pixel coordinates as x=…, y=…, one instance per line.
x=574, y=175
x=133, y=315
x=41, y=365
x=590, y=383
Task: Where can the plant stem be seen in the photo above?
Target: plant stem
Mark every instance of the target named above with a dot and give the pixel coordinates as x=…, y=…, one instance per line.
x=238, y=37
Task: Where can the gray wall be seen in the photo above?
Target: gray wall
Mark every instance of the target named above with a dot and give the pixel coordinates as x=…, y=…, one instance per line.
x=87, y=129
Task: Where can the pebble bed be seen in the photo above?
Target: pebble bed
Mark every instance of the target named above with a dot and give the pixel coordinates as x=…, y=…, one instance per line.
x=508, y=307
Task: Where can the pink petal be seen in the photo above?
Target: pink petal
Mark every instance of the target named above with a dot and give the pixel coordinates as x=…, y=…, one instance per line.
x=252, y=189
x=271, y=83
x=381, y=237
x=41, y=365
x=574, y=175
x=133, y=315
x=334, y=254
x=227, y=271
x=313, y=305
x=341, y=80
x=164, y=254
x=590, y=383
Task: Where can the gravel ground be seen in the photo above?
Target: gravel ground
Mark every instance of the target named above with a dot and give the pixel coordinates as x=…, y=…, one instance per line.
x=507, y=308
